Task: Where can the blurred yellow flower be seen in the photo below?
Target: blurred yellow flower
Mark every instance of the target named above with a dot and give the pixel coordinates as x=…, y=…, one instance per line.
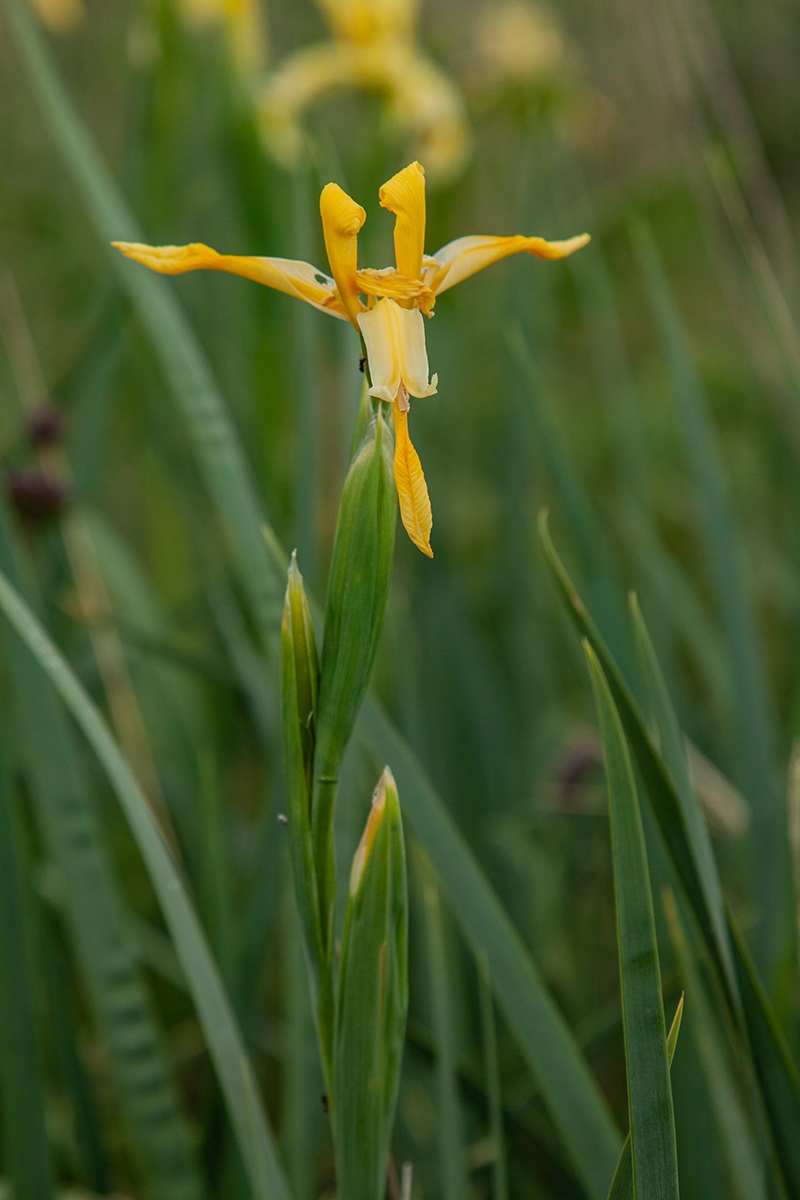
x=59, y=15
x=385, y=306
x=242, y=22
x=372, y=48
x=519, y=42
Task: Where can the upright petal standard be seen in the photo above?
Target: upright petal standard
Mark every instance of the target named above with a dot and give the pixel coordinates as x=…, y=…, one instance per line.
x=385, y=306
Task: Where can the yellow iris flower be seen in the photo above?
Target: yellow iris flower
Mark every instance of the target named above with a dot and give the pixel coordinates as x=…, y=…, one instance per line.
x=385, y=306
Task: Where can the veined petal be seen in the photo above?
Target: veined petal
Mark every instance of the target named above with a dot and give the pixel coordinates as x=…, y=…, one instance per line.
x=412, y=491
x=341, y=220
x=286, y=275
x=404, y=195
x=395, y=341
x=463, y=257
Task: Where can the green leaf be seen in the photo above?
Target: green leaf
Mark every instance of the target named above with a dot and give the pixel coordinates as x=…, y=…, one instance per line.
x=754, y=735
x=27, y=1153
x=494, y=1091
x=453, y=1182
x=777, y=1073
x=98, y=926
x=652, y=1120
x=622, y=1183
x=700, y=884
x=371, y=1002
x=754, y=1018
x=223, y=1038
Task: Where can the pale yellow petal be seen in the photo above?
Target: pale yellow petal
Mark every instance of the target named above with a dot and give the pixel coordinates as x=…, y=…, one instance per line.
x=463, y=257
x=286, y=275
x=342, y=218
x=395, y=341
x=426, y=105
x=404, y=195
x=412, y=491
x=365, y=22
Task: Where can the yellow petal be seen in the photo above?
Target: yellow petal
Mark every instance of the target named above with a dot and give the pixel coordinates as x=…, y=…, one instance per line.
x=463, y=257
x=298, y=82
x=286, y=275
x=404, y=195
x=395, y=341
x=412, y=491
x=390, y=283
x=341, y=220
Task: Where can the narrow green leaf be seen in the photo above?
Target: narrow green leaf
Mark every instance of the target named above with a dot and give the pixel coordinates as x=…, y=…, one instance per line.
x=702, y=891
x=652, y=1120
x=27, y=1153
x=777, y=1073
x=450, y=1128
x=739, y=1151
x=97, y=923
x=494, y=1093
x=754, y=739
x=622, y=1183
x=224, y=1041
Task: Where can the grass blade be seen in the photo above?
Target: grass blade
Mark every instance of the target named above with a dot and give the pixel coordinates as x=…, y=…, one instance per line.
x=755, y=738
x=452, y=1165
x=652, y=1120
x=777, y=1075
x=224, y=1041
x=622, y=1183
x=701, y=886
x=27, y=1153
x=493, y=1083
x=97, y=923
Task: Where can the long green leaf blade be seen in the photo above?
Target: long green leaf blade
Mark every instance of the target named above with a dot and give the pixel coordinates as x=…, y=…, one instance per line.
x=21, y=1083
x=224, y=1041
x=652, y=1119
x=622, y=1183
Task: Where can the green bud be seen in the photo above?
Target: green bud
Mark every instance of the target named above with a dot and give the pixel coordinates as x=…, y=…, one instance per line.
x=358, y=588
x=371, y=1002
x=299, y=692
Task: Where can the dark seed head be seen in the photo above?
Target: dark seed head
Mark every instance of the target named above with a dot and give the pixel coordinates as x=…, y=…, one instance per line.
x=46, y=425
x=37, y=494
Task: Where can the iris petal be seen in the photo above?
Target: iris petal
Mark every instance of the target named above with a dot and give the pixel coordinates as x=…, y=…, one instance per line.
x=398, y=359
x=404, y=195
x=463, y=257
x=412, y=490
x=286, y=275
x=342, y=219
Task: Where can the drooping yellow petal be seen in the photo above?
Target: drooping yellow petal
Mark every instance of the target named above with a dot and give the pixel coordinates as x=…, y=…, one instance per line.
x=404, y=195
x=398, y=360
x=342, y=218
x=463, y=257
x=412, y=491
x=286, y=275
